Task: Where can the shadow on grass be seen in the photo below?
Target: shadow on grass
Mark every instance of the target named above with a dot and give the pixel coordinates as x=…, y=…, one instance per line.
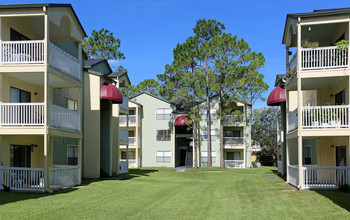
x=280, y=175
x=341, y=199
x=14, y=196
x=134, y=173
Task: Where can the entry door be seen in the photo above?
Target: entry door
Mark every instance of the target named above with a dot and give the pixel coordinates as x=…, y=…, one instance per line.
x=340, y=98
x=340, y=156
x=20, y=156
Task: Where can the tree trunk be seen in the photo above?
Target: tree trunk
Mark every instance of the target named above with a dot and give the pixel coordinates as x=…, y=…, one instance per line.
x=194, y=133
x=222, y=159
x=208, y=120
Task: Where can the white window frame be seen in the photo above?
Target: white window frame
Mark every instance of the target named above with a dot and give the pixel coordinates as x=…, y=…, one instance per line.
x=204, y=136
x=163, y=113
x=204, y=156
x=163, y=137
x=212, y=114
x=163, y=156
x=77, y=153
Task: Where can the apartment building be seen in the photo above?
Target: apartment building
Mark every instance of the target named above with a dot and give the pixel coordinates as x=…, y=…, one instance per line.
x=317, y=98
x=131, y=152
x=103, y=106
x=41, y=96
x=167, y=139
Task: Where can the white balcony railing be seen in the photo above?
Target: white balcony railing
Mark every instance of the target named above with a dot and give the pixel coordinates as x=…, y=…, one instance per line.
x=293, y=62
x=22, y=52
x=123, y=135
x=132, y=141
x=64, y=176
x=21, y=114
x=319, y=177
x=64, y=118
x=133, y=163
x=65, y=62
x=133, y=120
x=292, y=120
x=336, y=116
x=22, y=179
x=323, y=57
x=280, y=167
x=234, y=163
x=234, y=141
x=123, y=167
x=231, y=119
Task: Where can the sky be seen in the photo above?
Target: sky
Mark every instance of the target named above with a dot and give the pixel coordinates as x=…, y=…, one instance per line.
x=149, y=30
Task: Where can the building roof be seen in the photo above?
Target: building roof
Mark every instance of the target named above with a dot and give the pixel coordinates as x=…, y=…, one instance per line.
x=92, y=61
x=154, y=96
x=118, y=75
x=320, y=13
x=280, y=80
x=315, y=13
x=40, y=5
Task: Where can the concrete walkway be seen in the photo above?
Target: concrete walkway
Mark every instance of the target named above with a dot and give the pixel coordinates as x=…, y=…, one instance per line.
x=181, y=169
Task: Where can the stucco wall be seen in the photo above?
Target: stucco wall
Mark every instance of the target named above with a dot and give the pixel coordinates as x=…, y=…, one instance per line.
x=149, y=126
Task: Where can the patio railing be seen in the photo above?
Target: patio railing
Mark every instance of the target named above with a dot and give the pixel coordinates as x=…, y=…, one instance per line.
x=64, y=176
x=336, y=116
x=22, y=179
x=323, y=57
x=292, y=118
x=234, y=141
x=22, y=52
x=234, y=163
x=64, y=118
x=21, y=114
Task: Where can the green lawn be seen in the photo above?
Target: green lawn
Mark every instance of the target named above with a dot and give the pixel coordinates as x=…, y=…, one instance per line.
x=162, y=193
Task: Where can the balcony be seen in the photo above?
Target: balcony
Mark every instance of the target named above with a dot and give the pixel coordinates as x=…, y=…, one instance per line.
x=133, y=163
x=32, y=52
x=64, y=118
x=321, y=58
x=133, y=120
x=32, y=179
x=315, y=177
x=234, y=163
x=123, y=135
x=231, y=142
x=233, y=120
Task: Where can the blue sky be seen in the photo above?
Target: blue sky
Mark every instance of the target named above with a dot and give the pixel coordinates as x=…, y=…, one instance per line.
x=150, y=29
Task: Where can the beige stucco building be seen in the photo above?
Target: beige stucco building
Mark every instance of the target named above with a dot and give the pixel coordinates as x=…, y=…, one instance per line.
x=317, y=99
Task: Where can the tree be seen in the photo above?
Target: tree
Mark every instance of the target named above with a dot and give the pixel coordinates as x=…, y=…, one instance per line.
x=103, y=44
x=264, y=131
x=122, y=69
x=204, y=31
x=231, y=56
x=183, y=80
x=150, y=86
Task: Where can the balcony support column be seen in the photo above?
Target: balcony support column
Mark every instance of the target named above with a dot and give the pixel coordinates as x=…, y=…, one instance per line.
x=127, y=143
x=299, y=95
x=47, y=141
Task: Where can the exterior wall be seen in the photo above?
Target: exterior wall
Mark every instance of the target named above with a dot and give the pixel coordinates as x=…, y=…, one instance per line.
x=59, y=151
x=91, y=126
x=327, y=150
x=149, y=126
x=326, y=95
x=7, y=82
x=61, y=95
x=37, y=153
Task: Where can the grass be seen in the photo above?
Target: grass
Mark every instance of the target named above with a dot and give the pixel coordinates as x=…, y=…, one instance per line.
x=162, y=193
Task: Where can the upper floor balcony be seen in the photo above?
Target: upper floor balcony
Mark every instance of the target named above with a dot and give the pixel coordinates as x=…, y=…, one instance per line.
x=32, y=114
x=33, y=52
x=233, y=120
x=134, y=120
x=320, y=117
x=233, y=142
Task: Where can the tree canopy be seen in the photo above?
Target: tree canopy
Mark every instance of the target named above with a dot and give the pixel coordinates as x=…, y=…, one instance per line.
x=103, y=44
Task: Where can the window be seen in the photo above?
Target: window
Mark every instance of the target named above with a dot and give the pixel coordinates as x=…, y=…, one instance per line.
x=72, y=105
x=19, y=95
x=163, y=135
x=212, y=114
x=204, y=157
x=163, y=156
x=204, y=135
x=235, y=155
x=163, y=113
x=131, y=111
x=72, y=154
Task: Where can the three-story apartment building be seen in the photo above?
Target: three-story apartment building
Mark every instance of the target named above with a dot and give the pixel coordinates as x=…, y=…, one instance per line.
x=167, y=138
x=317, y=98
x=41, y=96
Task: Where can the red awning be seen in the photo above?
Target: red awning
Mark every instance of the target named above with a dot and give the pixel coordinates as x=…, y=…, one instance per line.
x=182, y=120
x=277, y=96
x=110, y=92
